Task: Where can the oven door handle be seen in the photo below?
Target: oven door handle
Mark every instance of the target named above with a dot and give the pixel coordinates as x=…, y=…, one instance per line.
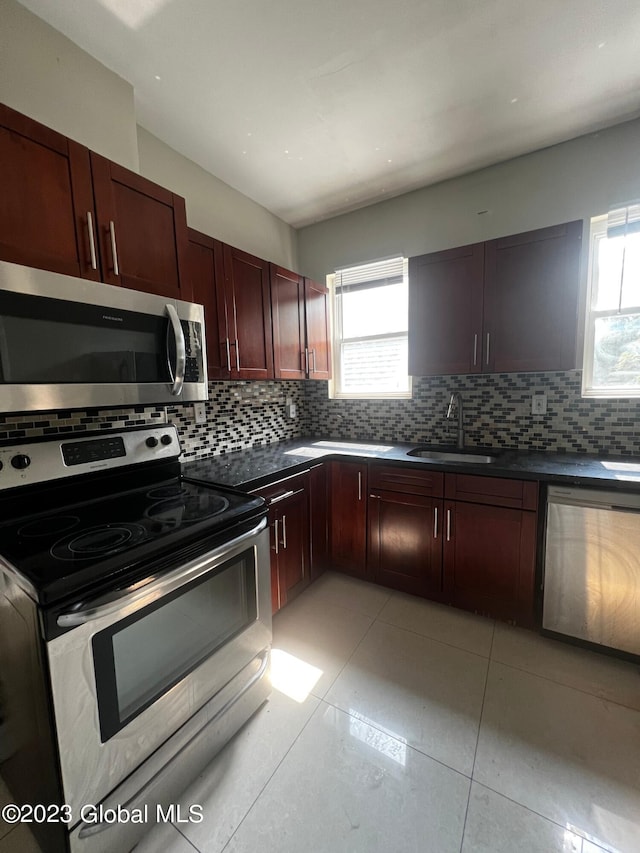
x=106, y=605
x=181, y=351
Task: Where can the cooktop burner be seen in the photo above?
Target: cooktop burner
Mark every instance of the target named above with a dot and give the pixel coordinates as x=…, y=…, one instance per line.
x=106, y=507
x=101, y=541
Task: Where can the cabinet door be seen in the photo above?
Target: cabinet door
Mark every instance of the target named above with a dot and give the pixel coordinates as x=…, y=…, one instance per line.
x=142, y=231
x=405, y=542
x=293, y=556
x=316, y=298
x=287, y=306
x=348, y=517
x=531, y=300
x=489, y=560
x=445, y=311
x=274, y=543
x=205, y=271
x=248, y=315
x=319, y=518
x=47, y=216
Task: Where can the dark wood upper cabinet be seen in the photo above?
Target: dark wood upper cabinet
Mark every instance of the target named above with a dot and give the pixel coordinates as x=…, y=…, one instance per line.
x=316, y=301
x=531, y=300
x=204, y=257
x=301, y=335
x=507, y=305
x=248, y=315
x=445, y=311
x=289, y=340
x=47, y=216
x=142, y=231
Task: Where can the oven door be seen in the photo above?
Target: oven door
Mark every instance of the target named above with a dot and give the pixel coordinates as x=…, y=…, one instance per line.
x=132, y=671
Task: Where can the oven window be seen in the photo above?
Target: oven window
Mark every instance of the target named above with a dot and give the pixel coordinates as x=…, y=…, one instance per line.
x=140, y=658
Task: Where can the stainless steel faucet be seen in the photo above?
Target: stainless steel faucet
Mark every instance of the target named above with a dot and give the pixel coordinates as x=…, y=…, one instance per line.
x=456, y=400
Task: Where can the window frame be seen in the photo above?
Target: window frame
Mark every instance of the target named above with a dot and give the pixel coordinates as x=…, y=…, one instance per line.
x=335, y=392
x=598, y=230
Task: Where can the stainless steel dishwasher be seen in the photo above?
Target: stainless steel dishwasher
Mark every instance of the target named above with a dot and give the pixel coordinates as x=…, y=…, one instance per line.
x=592, y=567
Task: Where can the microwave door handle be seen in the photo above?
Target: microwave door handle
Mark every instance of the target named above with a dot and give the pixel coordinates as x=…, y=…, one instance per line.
x=181, y=354
x=107, y=605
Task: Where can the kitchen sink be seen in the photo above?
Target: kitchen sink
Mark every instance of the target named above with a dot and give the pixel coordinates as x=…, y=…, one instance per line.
x=452, y=456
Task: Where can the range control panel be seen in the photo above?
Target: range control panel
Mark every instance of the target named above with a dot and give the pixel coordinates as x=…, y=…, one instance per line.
x=54, y=459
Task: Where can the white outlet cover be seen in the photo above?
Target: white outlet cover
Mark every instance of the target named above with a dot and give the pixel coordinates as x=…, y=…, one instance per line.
x=200, y=413
x=539, y=404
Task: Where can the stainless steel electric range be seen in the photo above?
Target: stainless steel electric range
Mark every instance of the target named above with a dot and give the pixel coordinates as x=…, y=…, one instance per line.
x=135, y=628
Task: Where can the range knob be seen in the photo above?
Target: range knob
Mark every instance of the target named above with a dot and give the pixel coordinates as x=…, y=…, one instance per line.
x=166, y=439
x=152, y=441
x=20, y=461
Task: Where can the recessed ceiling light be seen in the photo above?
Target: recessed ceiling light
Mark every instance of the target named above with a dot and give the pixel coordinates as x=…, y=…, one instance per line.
x=602, y=44
x=158, y=77
x=389, y=161
x=514, y=100
x=286, y=150
x=244, y=152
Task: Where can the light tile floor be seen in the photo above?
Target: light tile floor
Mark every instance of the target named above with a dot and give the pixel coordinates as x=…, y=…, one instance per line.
x=418, y=728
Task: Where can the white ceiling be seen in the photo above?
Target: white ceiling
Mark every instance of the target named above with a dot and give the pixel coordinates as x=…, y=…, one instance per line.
x=316, y=107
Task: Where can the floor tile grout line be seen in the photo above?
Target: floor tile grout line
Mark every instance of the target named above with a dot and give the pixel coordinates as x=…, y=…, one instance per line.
x=564, y=684
x=275, y=770
x=433, y=639
x=538, y=814
x=179, y=831
x=475, y=752
x=394, y=737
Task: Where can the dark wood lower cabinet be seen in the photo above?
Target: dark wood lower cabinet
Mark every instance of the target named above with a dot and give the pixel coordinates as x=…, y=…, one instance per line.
x=348, y=517
x=319, y=518
x=405, y=542
x=290, y=540
x=489, y=560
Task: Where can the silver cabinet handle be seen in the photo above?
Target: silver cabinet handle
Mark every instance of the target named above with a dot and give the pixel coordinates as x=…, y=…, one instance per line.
x=284, y=532
x=181, y=352
x=114, y=250
x=488, y=341
x=475, y=349
x=238, y=355
x=122, y=599
x=435, y=522
x=359, y=485
x=448, y=525
x=228, y=355
x=92, y=242
x=313, y=353
x=284, y=495
x=275, y=529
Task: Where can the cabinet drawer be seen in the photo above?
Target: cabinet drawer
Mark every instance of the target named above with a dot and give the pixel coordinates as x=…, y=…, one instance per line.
x=274, y=492
x=497, y=491
x=410, y=480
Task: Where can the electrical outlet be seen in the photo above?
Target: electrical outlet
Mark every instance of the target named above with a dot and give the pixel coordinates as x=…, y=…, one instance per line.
x=200, y=412
x=539, y=404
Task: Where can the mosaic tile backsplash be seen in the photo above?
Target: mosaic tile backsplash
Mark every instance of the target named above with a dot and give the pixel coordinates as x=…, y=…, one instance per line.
x=239, y=415
x=497, y=413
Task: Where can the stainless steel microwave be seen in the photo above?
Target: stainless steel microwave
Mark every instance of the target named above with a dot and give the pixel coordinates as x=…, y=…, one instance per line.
x=68, y=343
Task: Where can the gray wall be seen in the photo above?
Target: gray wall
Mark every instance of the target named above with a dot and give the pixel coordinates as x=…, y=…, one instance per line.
x=574, y=180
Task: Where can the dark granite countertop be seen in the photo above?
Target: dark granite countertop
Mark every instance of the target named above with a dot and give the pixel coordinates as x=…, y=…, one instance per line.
x=249, y=469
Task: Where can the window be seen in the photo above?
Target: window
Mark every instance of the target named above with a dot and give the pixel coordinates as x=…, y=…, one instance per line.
x=371, y=314
x=612, y=329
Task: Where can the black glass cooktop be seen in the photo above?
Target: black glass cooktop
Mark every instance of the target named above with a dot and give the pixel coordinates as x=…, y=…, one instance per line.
x=81, y=542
